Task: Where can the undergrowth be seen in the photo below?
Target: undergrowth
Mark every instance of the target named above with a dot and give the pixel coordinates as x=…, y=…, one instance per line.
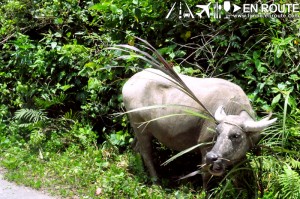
x=91, y=173
x=58, y=91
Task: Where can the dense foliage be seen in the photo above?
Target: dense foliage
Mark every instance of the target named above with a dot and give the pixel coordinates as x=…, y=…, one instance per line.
x=59, y=88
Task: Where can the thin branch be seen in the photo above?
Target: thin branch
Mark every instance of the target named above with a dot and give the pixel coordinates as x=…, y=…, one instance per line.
x=6, y=38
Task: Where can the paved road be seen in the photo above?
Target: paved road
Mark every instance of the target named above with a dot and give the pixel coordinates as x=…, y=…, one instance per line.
x=10, y=190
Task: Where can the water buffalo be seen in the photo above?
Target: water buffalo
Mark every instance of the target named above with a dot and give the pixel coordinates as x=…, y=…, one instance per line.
x=233, y=128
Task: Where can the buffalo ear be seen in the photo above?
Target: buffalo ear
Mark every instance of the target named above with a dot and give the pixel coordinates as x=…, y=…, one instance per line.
x=220, y=114
x=254, y=138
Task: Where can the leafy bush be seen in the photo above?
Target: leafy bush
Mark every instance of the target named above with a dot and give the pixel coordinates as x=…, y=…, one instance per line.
x=59, y=86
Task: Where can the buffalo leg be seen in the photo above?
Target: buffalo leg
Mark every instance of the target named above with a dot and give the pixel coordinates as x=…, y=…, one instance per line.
x=144, y=147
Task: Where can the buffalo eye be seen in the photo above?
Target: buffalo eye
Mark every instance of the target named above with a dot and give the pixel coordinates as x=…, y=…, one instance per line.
x=235, y=136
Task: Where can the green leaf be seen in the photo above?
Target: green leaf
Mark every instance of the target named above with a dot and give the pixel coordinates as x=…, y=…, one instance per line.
x=59, y=21
x=93, y=83
x=279, y=53
x=90, y=65
x=259, y=66
x=66, y=87
x=294, y=77
x=177, y=69
x=257, y=63
x=100, y=6
x=68, y=34
x=114, y=8
x=292, y=102
x=172, y=55
x=58, y=34
x=53, y=45
x=282, y=86
x=137, y=13
x=276, y=99
x=256, y=55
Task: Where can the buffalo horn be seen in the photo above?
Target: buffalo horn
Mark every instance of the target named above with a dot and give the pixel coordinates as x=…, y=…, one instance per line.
x=220, y=114
x=256, y=126
x=267, y=118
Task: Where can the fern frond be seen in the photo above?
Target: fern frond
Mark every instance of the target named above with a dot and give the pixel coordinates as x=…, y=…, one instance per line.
x=295, y=164
x=72, y=116
x=30, y=115
x=48, y=100
x=25, y=125
x=59, y=99
x=290, y=183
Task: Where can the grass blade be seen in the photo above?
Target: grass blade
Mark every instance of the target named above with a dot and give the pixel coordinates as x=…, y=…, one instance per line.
x=154, y=107
x=284, y=135
x=163, y=66
x=186, y=151
x=191, y=174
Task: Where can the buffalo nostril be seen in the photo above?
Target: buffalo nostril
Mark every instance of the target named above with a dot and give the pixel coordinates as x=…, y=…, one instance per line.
x=211, y=157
